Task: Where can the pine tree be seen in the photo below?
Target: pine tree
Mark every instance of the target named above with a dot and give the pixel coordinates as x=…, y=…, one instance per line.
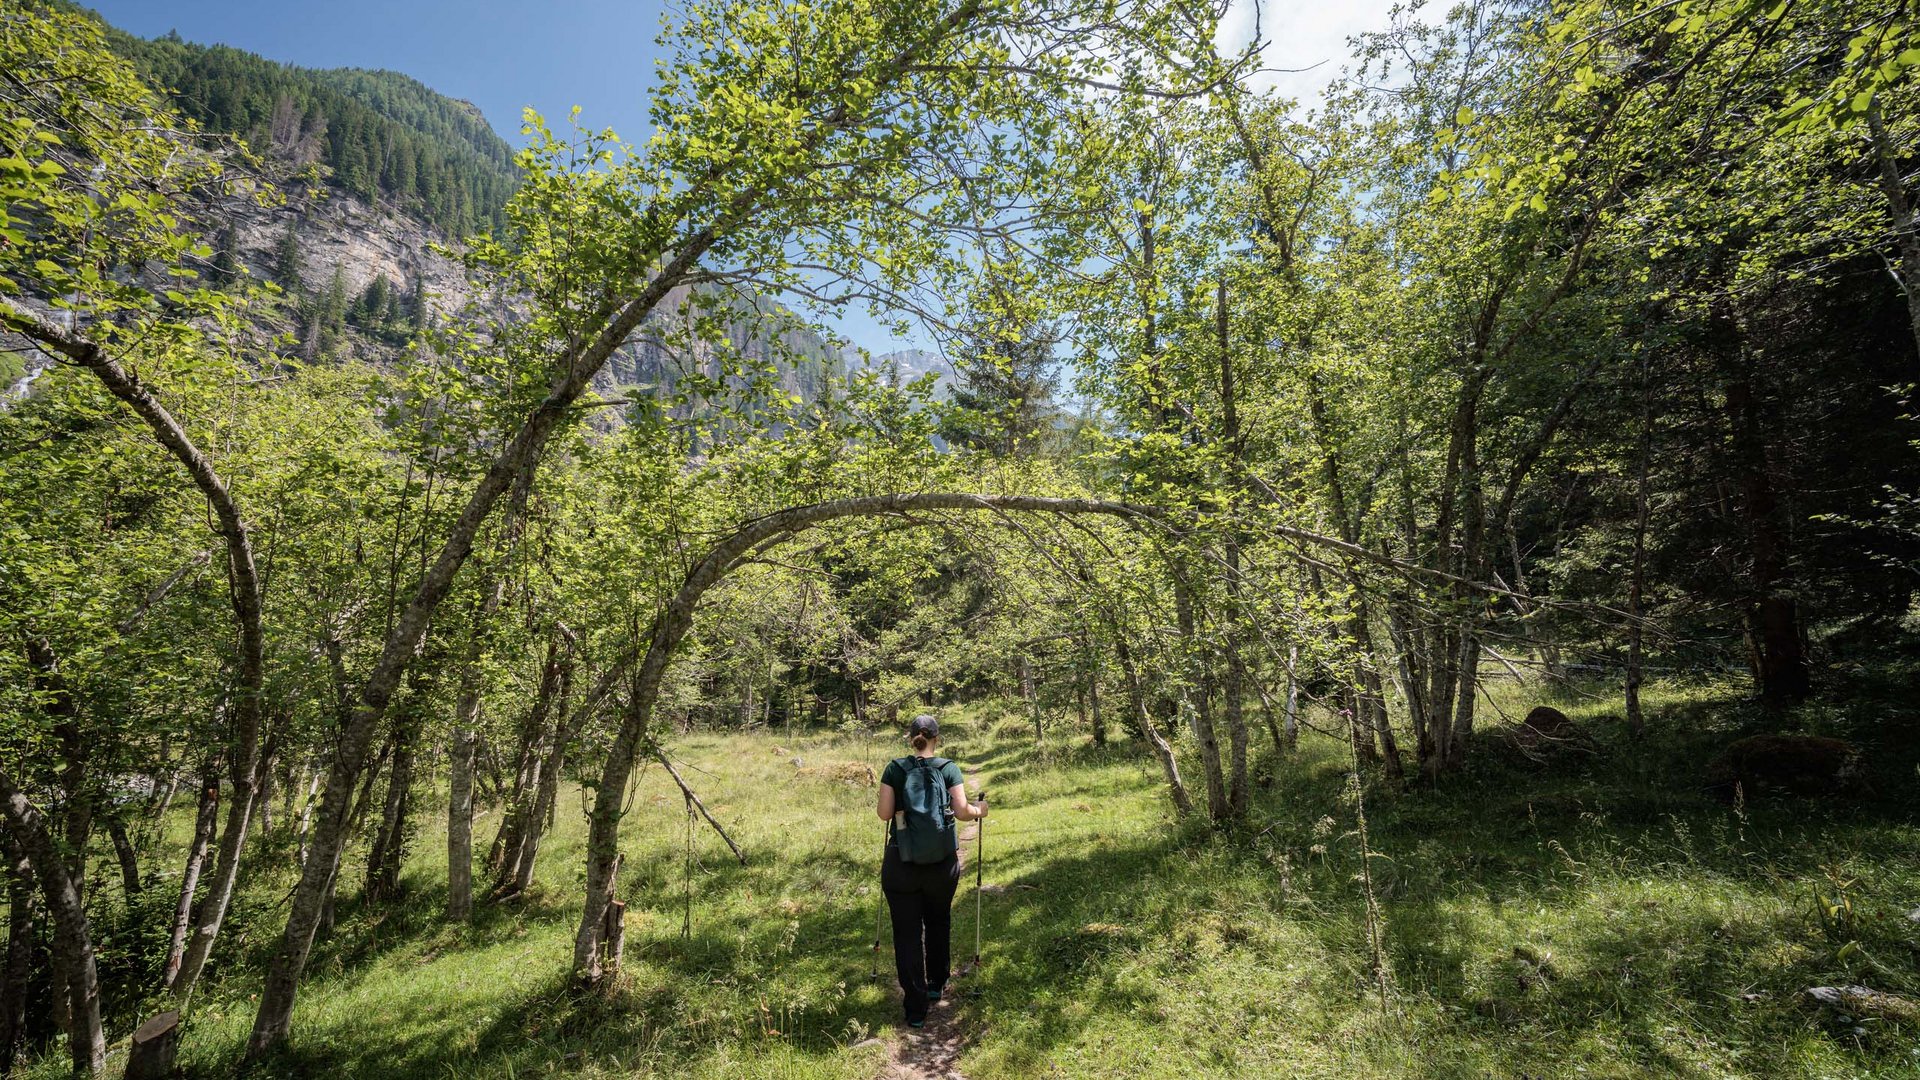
x=1003, y=401
x=286, y=261
x=225, y=267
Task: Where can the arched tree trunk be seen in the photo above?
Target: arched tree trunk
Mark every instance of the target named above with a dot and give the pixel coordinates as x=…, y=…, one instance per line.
x=670, y=626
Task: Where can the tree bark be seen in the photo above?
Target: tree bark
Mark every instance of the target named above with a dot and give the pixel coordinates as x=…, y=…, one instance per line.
x=75, y=974
x=16, y=981
x=206, y=819
x=124, y=853
x=151, y=1051
x=306, y=817
x=390, y=841
x=208, y=915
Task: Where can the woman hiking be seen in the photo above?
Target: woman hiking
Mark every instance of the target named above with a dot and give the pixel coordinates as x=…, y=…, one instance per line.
x=921, y=798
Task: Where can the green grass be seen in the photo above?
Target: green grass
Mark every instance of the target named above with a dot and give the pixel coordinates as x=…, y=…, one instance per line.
x=1595, y=916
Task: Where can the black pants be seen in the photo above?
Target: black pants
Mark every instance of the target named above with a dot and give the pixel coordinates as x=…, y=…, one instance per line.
x=920, y=899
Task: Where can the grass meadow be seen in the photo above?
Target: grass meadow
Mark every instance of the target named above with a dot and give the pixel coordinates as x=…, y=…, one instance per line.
x=1593, y=915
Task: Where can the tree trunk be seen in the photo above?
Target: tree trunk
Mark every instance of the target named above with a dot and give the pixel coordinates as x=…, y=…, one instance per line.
x=211, y=911
x=306, y=817
x=460, y=820
x=123, y=851
x=1772, y=618
x=75, y=752
x=1025, y=672
x=16, y=981
x=534, y=811
x=1234, y=688
x=75, y=974
x=206, y=819
x=1200, y=707
x=151, y=1051
x=390, y=842
x=1906, y=227
x=1097, y=717
x=1162, y=751
x=1637, y=582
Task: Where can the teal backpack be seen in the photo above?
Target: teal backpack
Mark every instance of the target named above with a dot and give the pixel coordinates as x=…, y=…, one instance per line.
x=923, y=829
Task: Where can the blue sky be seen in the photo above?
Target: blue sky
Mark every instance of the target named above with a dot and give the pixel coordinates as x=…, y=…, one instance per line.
x=499, y=54
x=503, y=55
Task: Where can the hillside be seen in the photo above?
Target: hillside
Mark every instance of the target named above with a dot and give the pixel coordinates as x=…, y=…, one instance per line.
x=379, y=135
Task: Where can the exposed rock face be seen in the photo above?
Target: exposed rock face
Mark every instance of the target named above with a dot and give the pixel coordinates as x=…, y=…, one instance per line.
x=342, y=234
x=362, y=241
x=906, y=365
x=1789, y=764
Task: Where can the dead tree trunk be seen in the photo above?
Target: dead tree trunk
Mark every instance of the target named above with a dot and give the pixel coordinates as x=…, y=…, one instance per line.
x=154, y=1045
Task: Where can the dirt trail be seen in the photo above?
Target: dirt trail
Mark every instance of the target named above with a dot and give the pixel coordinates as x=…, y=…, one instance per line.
x=931, y=1053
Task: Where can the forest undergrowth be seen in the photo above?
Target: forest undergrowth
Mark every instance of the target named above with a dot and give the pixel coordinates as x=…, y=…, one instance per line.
x=1596, y=914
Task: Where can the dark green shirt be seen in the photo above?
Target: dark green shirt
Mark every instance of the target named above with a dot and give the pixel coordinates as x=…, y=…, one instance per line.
x=895, y=777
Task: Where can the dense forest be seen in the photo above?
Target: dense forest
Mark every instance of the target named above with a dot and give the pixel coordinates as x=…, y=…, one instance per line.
x=378, y=134
x=1429, y=572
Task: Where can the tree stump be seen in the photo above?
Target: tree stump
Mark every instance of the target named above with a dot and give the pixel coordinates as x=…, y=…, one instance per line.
x=154, y=1045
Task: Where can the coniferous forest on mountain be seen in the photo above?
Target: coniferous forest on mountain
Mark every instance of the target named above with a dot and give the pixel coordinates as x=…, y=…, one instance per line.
x=1426, y=576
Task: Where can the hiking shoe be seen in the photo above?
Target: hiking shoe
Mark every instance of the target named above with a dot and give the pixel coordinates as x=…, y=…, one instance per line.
x=916, y=1023
x=933, y=996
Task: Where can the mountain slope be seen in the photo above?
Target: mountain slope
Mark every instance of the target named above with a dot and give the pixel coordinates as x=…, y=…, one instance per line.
x=380, y=135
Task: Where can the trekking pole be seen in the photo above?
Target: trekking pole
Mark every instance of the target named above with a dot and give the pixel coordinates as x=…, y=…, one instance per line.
x=880, y=913
x=979, y=870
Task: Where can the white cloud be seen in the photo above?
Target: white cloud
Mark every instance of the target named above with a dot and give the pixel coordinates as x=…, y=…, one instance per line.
x=1309, y=38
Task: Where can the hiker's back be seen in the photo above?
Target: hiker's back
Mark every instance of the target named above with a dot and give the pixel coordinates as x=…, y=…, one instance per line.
x=923, y=825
